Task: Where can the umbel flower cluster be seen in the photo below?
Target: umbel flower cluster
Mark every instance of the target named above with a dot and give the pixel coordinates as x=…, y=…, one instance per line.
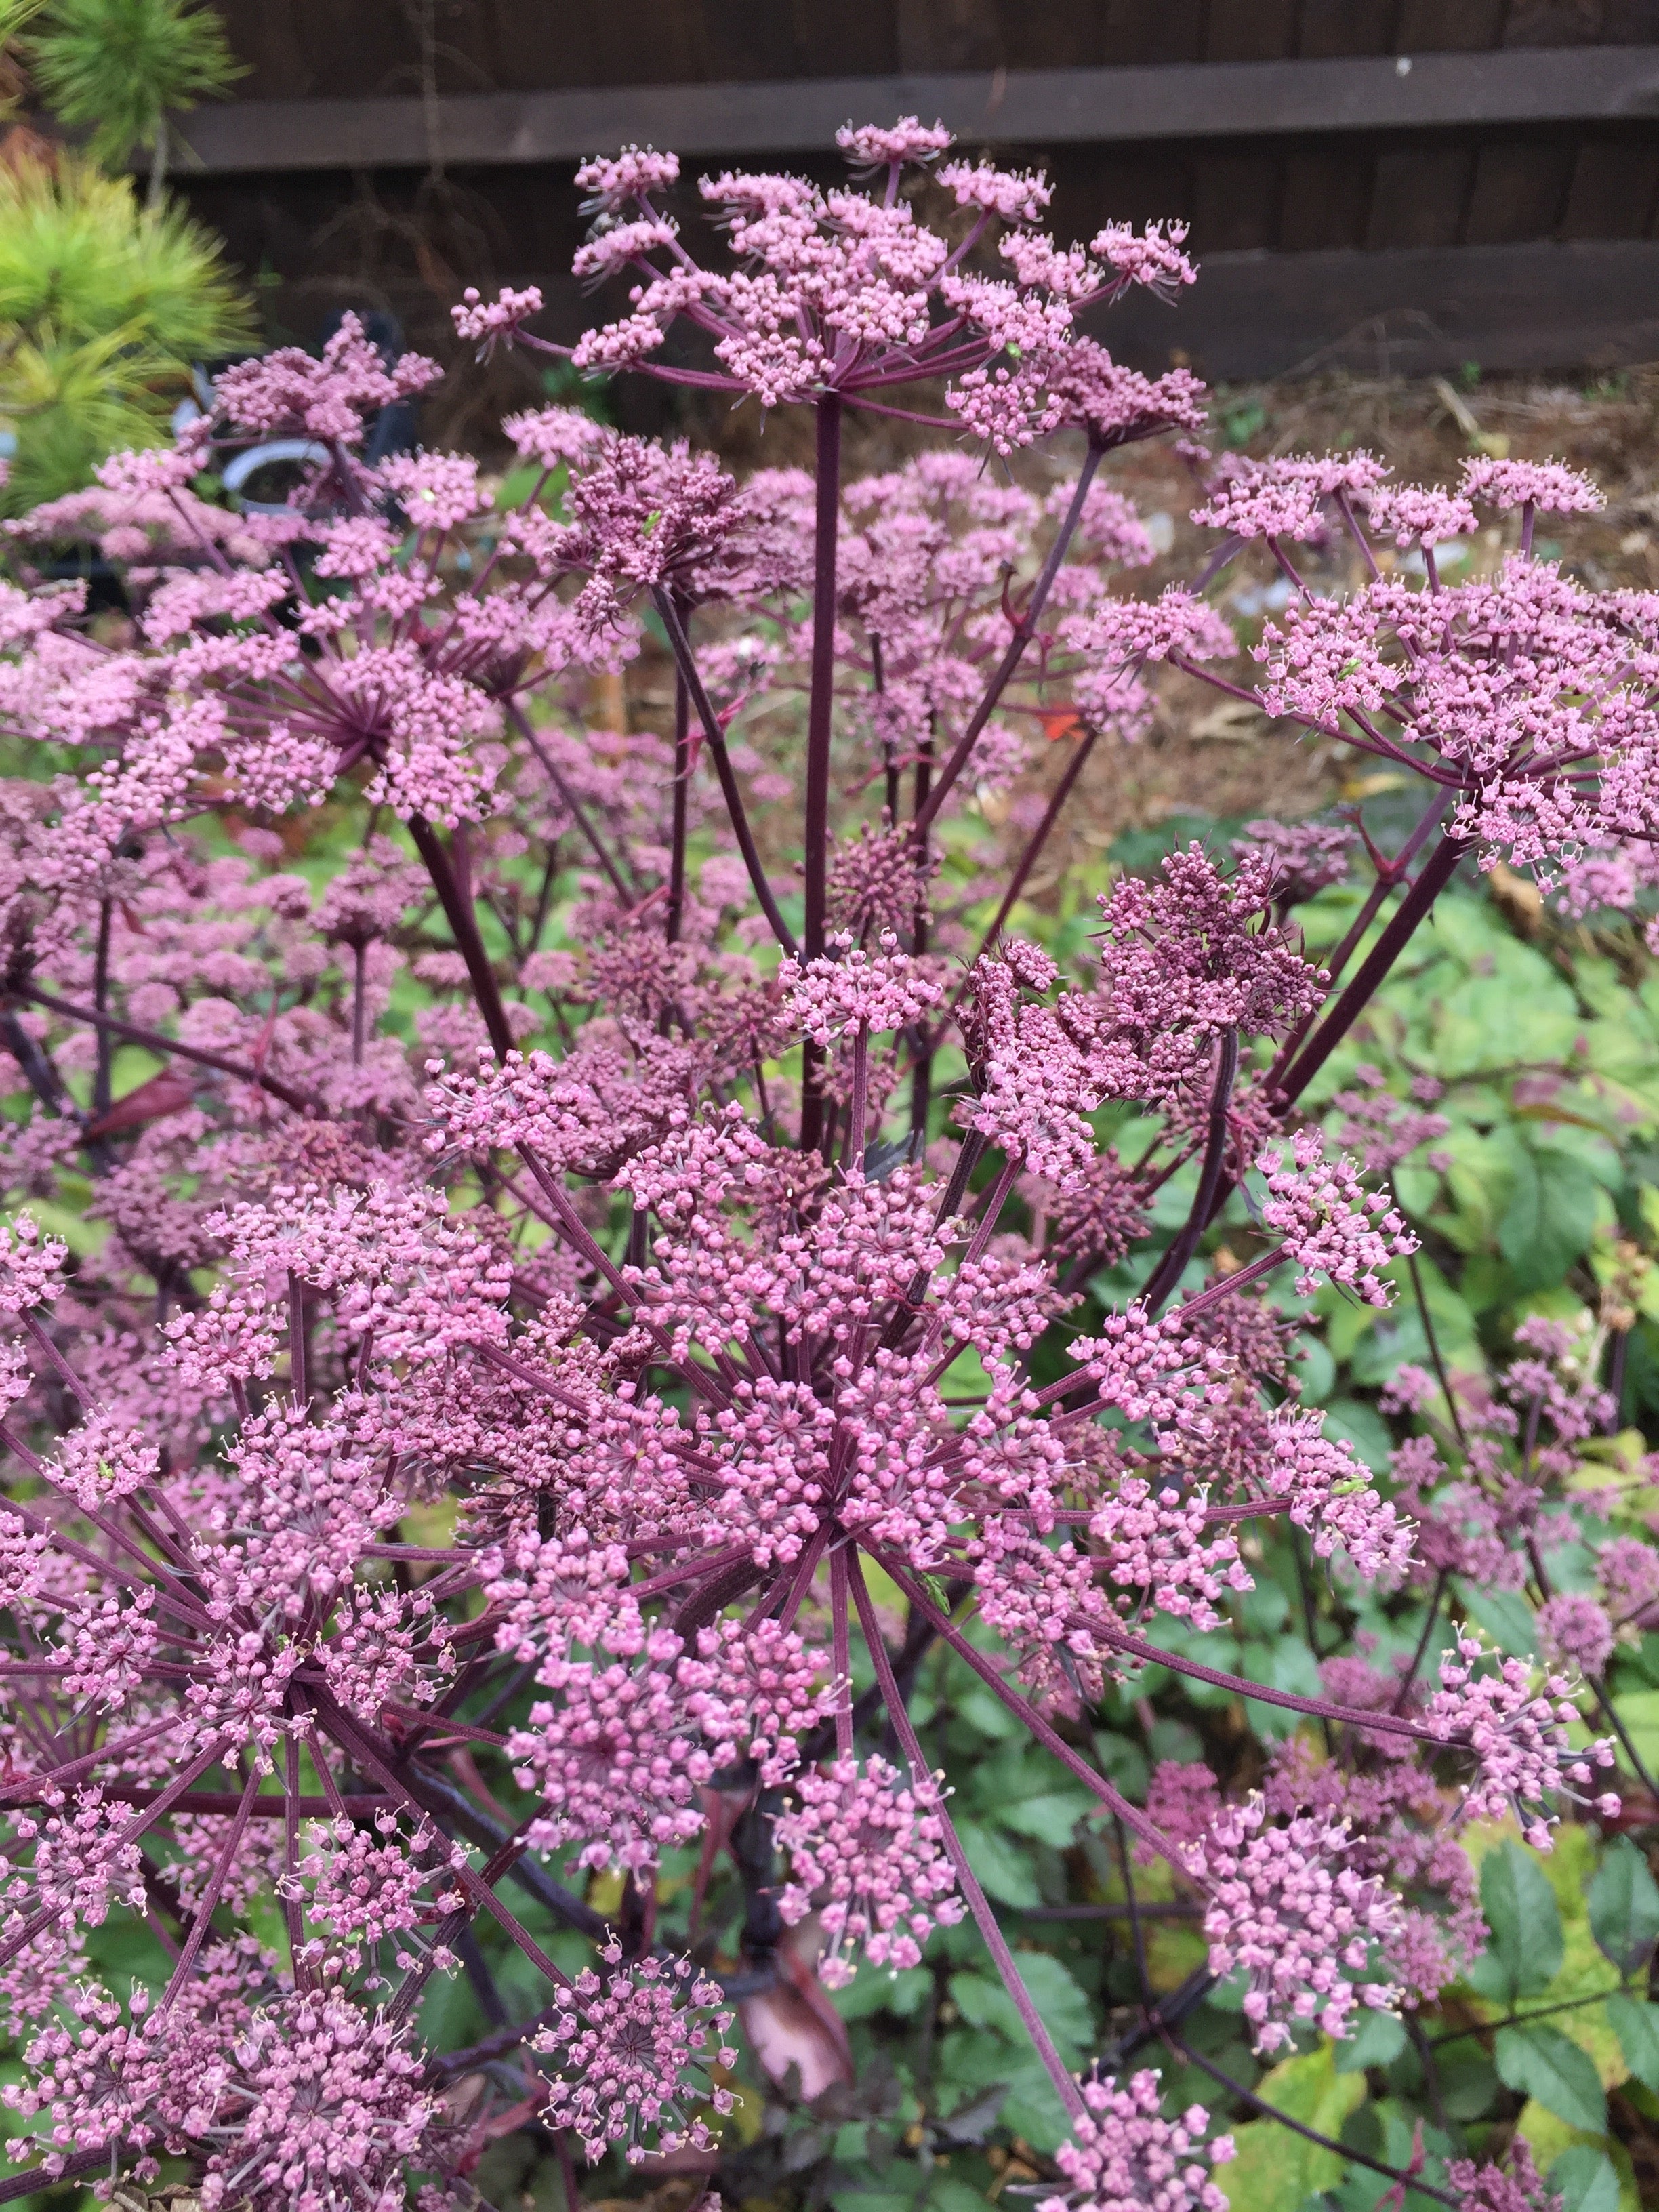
x=583, y=1308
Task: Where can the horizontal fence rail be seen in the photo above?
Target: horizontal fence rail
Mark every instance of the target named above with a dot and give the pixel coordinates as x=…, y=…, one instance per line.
x=1040, y=108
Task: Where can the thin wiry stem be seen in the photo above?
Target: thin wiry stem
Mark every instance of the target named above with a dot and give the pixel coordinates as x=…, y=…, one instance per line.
x=1166, y=1276
x=1006, y=667
x=922, y=1781
x=714, y=739
x=302, y=1102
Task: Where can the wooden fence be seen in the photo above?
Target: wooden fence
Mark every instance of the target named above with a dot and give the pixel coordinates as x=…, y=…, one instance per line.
x=1408, y=183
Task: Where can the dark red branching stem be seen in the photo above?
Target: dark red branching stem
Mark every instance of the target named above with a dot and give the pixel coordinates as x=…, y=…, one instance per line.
x=1166, y=1276
x=1432, y=878
x=820, y=718
x=1028, y=860
x=821, y=703
x=922, y=1781
x=714, y=739
x=359, y=1000
x=463, y=927
x=210, y=1896
x=572, y=805
x=302, y=1102
x=101, y=1073
x=1007, y=667
x=1432, y=1338
x=682, y=794
x=1132, y=1816
x=842, y=1690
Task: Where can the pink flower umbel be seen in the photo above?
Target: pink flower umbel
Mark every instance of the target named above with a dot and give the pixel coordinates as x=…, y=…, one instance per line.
x=630, y=2052
x=1286, y=1910
x=866, y=1854
x=1124, y=2154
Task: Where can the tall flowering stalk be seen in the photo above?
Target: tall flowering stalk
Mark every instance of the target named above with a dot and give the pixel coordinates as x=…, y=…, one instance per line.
x=484, y=1452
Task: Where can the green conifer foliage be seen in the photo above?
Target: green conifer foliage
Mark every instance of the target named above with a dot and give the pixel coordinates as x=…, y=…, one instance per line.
x=103, y=304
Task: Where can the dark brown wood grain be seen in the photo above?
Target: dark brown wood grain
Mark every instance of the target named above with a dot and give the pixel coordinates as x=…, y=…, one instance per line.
x=1211, y=100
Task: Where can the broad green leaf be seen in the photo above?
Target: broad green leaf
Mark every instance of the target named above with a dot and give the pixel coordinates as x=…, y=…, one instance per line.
x=1505, y=1616
x=1525, y=1952
x=1540, y=2062
x=1549, y=2139
x=1639, y=1711
x=946, y=2193
x=1033, y=2109
x=1585, y=2180
x=1004, y=1868
x=1064, y=2009
x=1624, y=1906
x=1485, y=1029
x=902, y=1993
x=1349, y=1420
x=1636, y=2025
x=1274, y=2170
x=1378, y=2041
x=1550, y=1217
x=1051, y=1816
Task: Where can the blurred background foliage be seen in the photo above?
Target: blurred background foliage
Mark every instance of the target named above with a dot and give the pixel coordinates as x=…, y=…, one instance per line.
x=106, y=303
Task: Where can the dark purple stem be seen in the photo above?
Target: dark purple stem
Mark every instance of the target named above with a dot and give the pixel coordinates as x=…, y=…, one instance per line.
x=1040, y=836
x=1016, y=652
x=463, y=927
x=920, y=1775
x=1169, y=1269
x=821, y=703
x=714, y=739
x=682, y=794
x=302, y=1102
x=1433, y=877
x=619, y=883
x=1132, y=1816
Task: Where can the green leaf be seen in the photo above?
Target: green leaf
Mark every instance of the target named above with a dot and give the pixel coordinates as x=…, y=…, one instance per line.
x=1064, y=2009
x=1525, y=1952
x=1378, y=2041
x=1505, y=1616
x=1636, y=2025
x=1350, y=1420
x=1274, y=2170
x=1051, y=1816
x=1624, y=1906
x=1540, y=2062
x=1550, y=1218
x=1005, y=1871
x=1585, y=2179
x=902, y=1993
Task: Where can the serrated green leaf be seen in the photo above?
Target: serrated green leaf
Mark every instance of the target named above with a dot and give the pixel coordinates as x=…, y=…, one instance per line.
x=1636, y=2025
x=1274, y=2170
x=872, y=1992
x=1064, y=2009
x=1624, y=1906
x=1005, y=1871
x=1527, y=1944
x=1539, y=2061
x=1350, y=1420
